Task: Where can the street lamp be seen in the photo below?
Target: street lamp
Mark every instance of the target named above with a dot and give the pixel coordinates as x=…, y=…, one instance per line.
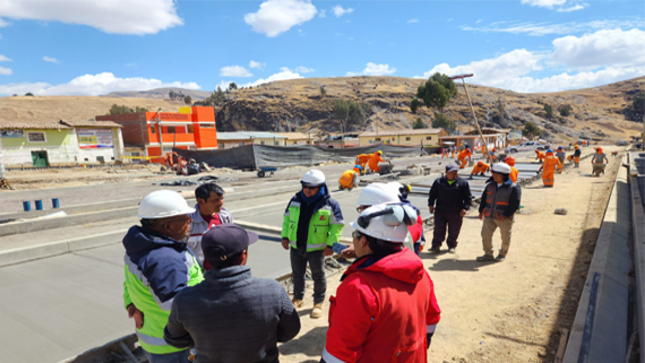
x=472, y=109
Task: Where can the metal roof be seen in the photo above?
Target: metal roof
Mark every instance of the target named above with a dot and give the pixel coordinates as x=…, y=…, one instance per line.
x=401, y=132
x=247, y=135
x=54, y=125
x=110, y=124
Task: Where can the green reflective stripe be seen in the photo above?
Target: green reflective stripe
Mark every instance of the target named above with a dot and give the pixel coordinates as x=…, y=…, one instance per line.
x=147, y=339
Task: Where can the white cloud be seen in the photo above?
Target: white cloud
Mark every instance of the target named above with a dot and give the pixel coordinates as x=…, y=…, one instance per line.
x=4, y=58
x=92, y=85
x=339, y=11
x=284, y=74
x=257, y=65
x=50, y=59
x=277, y=16
x=114, y=16
x=412, y=21
x=234, y=71
x=5, y=71
x=541, y=29
x=575, y=7
x=322, y=14
x=302, y=69
x=373, y=69
x=603, y=48
x=565, y=81
x=550, y=4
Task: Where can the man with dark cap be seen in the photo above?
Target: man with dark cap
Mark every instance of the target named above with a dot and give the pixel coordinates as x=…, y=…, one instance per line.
x=232, y=316
x=453, y=199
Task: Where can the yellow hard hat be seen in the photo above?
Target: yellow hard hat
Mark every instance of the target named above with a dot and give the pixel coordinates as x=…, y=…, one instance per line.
x=379, y=152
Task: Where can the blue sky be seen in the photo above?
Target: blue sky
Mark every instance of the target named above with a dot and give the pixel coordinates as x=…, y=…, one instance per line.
x=83, y=48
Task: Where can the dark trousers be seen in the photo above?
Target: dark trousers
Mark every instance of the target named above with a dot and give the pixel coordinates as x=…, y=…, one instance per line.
x=299, y=259
x=453, y=221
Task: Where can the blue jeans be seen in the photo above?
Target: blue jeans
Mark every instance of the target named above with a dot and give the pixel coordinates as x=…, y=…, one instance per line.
x=178, y=357
x=316, y=261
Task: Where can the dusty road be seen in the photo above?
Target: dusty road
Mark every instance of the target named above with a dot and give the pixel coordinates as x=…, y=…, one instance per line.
x=509, y=311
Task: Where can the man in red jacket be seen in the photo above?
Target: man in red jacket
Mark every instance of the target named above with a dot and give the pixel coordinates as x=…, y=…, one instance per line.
x=385, y=309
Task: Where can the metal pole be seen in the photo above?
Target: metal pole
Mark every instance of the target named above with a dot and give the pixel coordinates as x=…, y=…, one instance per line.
x=481, y=135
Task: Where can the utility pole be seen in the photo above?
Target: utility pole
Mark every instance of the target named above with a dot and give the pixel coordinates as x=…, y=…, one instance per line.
x=472, y=109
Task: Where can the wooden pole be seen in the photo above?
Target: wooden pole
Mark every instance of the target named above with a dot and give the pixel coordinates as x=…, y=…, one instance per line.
x=481, y=135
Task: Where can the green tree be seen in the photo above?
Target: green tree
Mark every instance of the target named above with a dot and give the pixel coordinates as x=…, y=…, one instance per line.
x=232, y=86
x=140, y=109
x=188, y=100
x=437, y=91
x=215, y=99
x=531, y=129
x=29, y=94
x=549, y=110
x=414, y=105
x=419, y=124
x=119, y=109
x=565, y=110
x=323, y=91
x=349, y=113
x=639, y=104
x=442, y=121
x=172, y=94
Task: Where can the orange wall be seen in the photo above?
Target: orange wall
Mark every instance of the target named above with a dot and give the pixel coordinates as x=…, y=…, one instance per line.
x=205, y=137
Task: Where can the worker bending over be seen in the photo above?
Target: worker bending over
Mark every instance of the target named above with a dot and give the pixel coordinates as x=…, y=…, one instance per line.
x=385, y=309
x=362, y=160
x=358, y=169
x=464, y=155
x=539, y=155
x=374, y=160
x=510, y=161
x=349, y=180
x=500, y=200
x=480, y=169
x=576, y=156
x=548, y=168
x=598, y=160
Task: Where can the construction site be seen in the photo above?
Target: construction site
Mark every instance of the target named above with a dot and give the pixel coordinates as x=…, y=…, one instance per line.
x=571, y=285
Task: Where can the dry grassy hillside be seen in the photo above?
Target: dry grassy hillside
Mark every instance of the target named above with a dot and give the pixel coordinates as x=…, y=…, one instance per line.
x=24, y=108
x=299, y=105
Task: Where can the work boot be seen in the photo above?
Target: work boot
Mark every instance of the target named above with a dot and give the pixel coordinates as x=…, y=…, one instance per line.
x=435, y=250
x=297, y=303
x=486, y=258
x=452, y=250
x=317, y=311
x=500, y=258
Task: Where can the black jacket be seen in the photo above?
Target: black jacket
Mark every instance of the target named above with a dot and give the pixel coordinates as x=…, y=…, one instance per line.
x=451, y=198
x=232, y=317
x=513, y=202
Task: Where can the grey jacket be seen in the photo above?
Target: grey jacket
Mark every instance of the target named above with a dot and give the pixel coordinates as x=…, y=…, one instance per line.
x=199, y=226
x=232, y=317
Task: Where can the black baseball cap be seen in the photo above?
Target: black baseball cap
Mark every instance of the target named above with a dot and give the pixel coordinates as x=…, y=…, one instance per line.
x=451, y=167
x=226, y=240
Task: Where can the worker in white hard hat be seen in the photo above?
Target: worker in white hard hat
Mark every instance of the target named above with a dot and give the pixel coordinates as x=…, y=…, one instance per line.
x=158, y=264
x=313, y=222
x=500, y=200
x=385, y=309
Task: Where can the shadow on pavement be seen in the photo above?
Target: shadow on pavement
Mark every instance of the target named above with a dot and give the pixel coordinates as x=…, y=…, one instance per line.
x=459, y=265
x=311, y=344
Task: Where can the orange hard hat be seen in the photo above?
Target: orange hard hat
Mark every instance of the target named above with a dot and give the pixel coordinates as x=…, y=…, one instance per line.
x=599, y=150
x=480, y=163
x=510, y=160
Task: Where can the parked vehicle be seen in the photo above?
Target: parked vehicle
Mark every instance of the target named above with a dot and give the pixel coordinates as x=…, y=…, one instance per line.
x=526, y=146
x=622, y=143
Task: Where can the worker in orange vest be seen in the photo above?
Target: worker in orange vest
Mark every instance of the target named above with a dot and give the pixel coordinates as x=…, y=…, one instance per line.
x=465, y=154
x=540, y=155
x=480, y=168
x=362, y=160
x=374, y=160
x=514, y=172
x=550, y=164
x=348, y=180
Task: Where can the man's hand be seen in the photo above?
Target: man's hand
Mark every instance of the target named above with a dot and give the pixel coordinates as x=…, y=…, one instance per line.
x=285, y=243
x=135, y=313
x=348, y=252
x=462, y=213
x=431, y=210
x=327, y=252
x=481, y=216
x=501, y=218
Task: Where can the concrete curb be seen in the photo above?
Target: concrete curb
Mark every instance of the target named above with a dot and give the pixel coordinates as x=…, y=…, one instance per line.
x=20, y=255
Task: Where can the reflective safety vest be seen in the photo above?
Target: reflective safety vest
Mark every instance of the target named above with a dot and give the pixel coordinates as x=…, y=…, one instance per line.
x=324, y=226
x=497, y=199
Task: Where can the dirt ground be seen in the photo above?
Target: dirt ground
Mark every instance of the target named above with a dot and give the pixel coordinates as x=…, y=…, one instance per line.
x=510, y=311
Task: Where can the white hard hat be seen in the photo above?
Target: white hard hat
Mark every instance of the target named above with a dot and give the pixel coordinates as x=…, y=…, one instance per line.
x=313, y=178
x=163, y=204
x=501, y=168
x=386, y=222
x=377, y=193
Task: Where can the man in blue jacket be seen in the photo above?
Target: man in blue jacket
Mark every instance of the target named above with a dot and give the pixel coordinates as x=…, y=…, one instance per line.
x=232, y=316
x=313, y=222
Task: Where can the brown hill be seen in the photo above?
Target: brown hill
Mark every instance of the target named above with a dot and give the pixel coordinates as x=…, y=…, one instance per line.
x=297, y=105
x=160, y=93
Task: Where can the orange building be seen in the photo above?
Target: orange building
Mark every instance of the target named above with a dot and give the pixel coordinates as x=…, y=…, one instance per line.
x=193, y=128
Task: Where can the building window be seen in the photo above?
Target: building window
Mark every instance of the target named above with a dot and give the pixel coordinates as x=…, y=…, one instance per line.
x=377, y=139
x=153, y=129
x=100, y=159
x=261, y=142
x=240, y=144
x=408, y=138
x=393, y=139
x=191, y=129
x=36, y=137
x=276, y=143
x=167, y=149
x=428, y=137
x=207, y=126
x=171, y=130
